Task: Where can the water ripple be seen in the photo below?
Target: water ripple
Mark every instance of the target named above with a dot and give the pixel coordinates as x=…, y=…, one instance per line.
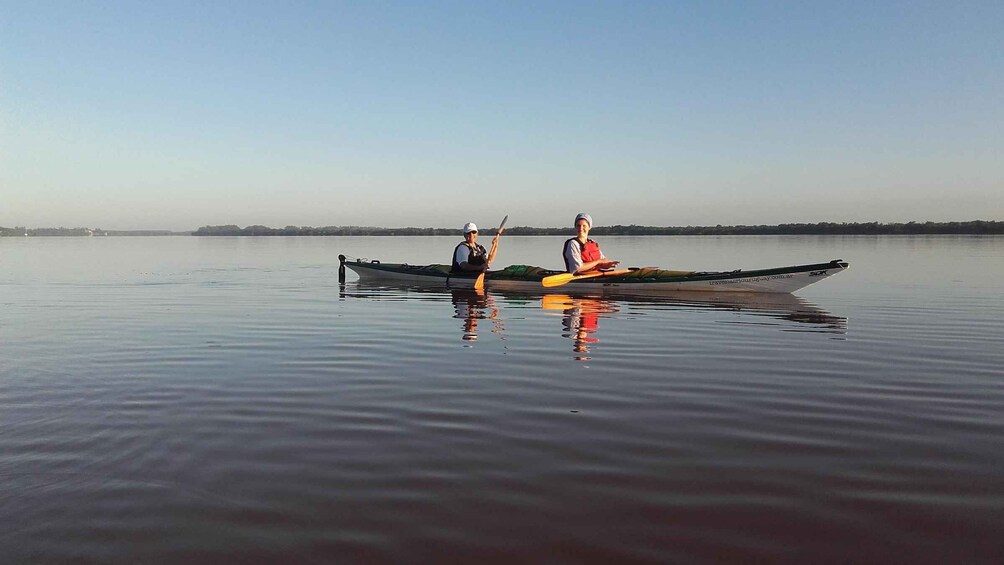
x=265, y=413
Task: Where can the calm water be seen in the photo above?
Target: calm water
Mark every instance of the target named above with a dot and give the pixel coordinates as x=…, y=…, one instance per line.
x=213, y=400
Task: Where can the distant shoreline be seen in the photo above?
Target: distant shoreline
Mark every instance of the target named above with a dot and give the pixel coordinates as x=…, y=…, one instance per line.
x=974, y=227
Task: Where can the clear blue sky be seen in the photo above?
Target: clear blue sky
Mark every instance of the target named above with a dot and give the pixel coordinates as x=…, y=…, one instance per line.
x=173, y=115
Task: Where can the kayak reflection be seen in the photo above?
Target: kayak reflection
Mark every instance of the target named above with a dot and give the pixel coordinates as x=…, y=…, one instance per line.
x=474, y=305
x=751, y=308
x=582, y=314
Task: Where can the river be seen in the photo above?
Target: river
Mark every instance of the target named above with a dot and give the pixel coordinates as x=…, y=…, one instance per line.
x=205, y=400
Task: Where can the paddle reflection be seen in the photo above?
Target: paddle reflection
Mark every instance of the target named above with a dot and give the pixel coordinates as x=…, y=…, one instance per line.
x=581, y=319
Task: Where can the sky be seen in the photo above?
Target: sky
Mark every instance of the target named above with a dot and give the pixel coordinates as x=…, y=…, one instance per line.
x=175, y=115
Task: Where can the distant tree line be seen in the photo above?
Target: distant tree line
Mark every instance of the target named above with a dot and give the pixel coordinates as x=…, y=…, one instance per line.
x=977, y=227
x=821, y=228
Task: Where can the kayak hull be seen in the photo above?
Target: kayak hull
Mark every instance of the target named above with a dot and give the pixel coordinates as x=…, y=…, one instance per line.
x=521, y=277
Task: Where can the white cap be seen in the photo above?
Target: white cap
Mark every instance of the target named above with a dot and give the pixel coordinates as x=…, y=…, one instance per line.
x=583, y=216
x=469, y=227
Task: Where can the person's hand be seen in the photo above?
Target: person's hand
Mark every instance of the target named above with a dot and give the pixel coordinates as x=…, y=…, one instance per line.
x=608, y=265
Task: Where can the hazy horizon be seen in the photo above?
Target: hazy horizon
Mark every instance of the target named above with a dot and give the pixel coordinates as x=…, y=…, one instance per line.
x=486, y=227
x=138, y=116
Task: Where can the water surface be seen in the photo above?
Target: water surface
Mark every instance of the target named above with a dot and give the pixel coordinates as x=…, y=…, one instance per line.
x=193, y=400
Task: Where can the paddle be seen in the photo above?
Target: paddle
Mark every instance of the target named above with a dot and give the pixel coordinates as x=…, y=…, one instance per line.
x=564, y=278
x=479, y=283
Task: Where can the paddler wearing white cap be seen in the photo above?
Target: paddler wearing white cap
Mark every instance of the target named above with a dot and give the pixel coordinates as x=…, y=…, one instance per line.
x=471, y=257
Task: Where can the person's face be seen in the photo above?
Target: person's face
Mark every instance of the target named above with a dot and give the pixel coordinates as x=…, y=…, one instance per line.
x=582, y=228
x=471, y=236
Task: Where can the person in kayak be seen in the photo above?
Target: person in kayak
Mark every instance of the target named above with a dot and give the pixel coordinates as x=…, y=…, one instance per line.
x=582, y=254
x=471, y=257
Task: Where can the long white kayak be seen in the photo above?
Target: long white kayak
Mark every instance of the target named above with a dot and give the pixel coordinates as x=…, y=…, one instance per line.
x=645, y=279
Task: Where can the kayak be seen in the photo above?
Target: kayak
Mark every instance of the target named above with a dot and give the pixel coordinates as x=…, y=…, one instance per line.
x=644, y=279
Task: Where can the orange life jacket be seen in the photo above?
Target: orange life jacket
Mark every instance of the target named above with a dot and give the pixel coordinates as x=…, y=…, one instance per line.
x=589, y=251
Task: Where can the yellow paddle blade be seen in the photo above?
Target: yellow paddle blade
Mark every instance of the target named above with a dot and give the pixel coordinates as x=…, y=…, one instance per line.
x=479, y=283
x=557, y=280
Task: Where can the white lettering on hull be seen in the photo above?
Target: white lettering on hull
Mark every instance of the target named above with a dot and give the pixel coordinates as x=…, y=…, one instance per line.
x=752, y=279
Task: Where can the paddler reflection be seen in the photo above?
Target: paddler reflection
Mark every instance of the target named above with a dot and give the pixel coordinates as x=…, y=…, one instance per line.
x=471, y=306
x=581, y=319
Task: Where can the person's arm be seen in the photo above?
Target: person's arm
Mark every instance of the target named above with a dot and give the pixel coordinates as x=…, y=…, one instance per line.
x=573, y=257
x=602, y=263
x=494, y=249
x=594, y=265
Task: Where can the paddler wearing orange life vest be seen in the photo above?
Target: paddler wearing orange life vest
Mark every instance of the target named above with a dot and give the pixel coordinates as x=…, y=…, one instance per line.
x=471, y=257
x=583, y=254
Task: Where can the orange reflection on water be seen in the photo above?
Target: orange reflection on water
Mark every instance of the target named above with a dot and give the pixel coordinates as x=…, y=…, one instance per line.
x=581, y=319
